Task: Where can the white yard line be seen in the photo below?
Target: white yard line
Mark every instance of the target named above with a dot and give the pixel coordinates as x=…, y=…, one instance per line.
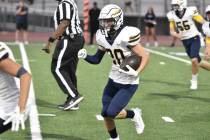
x=99, y=117
x=34, y=121
x=167, y=119
x=168, y=56
x=47, y=115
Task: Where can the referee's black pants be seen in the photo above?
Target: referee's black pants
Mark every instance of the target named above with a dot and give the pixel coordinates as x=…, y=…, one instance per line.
x=4, y=128
x=64, y=64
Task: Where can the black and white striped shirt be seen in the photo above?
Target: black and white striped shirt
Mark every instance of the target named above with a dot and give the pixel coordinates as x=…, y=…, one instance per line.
x=67, y=10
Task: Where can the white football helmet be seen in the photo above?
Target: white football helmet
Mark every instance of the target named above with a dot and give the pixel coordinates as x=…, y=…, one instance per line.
x=178, y=4
x=208, y=12
x=110, y=19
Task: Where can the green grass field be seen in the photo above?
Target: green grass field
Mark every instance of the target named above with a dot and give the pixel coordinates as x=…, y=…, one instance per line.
x=163, y=91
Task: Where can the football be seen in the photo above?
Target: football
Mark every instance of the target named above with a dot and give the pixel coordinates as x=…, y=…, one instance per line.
x=133, y=61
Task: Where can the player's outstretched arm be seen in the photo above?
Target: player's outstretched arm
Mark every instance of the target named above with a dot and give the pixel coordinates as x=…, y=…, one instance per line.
x=10, y=67
x=92, y=59
x=139, y=50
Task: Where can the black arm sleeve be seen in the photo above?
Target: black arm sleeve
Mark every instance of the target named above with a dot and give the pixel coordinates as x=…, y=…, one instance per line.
x=96, y=58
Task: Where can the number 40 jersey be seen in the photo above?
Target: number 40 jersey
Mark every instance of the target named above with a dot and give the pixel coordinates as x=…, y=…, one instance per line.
x=119, y=48
x=185, y=23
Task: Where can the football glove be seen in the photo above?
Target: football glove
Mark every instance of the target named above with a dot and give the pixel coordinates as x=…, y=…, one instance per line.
x=130, y=71
x=82, y=53
x=17, y=119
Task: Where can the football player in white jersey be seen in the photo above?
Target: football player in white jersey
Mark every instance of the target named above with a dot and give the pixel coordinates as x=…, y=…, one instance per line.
x=120, y=42
x=12, y=100
x=182, y=18
x=206, y=31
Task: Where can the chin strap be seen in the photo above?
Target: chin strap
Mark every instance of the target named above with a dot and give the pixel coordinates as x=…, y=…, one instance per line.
x=106, y=33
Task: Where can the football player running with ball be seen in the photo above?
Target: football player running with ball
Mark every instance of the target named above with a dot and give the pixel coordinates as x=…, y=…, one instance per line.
x=120, y=42
x=182, y=18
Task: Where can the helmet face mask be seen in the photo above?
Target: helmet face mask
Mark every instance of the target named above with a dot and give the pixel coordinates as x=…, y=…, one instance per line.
x=110, y=19
x=175, y=7
x=107, y=24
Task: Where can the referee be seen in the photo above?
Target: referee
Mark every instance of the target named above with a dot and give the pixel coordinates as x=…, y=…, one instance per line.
x=64, y=61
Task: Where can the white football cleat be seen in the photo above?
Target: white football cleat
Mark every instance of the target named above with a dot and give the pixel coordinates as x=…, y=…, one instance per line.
x=194, y=85
x=139, y=123
x=117, y=138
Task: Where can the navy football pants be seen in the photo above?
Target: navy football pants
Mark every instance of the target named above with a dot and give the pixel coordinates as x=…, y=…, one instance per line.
x=192, y=47
x=115, y=98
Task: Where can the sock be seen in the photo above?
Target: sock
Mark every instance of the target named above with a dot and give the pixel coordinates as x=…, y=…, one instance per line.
x=130, y=114
x=194, y=77
x=113, y=133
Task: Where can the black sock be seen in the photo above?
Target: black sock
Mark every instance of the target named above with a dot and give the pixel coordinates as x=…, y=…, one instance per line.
x=113, y=133
x=130, y=114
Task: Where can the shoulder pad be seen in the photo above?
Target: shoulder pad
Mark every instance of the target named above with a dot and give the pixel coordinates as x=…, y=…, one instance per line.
x=132, y=36
x=193, y=10
x=170, y=16
x=3, y=50
x=98, y=37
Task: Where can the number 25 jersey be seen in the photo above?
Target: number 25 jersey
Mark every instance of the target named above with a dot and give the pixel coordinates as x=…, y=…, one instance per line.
x=185, y=24
x=118, y=48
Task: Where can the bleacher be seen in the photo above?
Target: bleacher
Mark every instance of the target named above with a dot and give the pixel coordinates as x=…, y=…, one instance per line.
x=139, y=6
x=44, y=9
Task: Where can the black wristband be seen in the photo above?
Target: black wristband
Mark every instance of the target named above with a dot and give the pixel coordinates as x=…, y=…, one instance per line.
x=21, y=72
x=51, y=39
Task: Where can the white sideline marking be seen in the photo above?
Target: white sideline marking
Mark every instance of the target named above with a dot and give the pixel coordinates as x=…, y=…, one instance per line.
x=99, y=117
x=168, y=56
x=47, y=115
x=167, y=119
x=182, y=53
x=34, y=121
